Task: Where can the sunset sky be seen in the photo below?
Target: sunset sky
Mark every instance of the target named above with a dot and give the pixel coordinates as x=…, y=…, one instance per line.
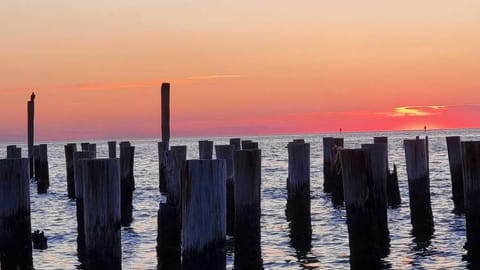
x=237, y=67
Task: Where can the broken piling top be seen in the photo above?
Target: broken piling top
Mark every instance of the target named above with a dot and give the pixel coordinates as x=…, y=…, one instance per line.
x=165, y=92
x=14, y=152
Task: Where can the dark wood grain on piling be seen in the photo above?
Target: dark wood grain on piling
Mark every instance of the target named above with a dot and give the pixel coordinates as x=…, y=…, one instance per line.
x=454, y=149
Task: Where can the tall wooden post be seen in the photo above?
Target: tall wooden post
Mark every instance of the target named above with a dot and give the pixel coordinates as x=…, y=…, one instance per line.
x=336, y=172
x=248, y=253
x=226, y=152
x=127, y=153
x=31, y=125
x=455, y=161
x=70, y=149
x=328, y=145
x=101, y=199
x=205, y=149
x=204, y=215
x=162, y=169
x=419, y=187
x=360, y=205
x=78, y=177
x=166, y=115
x=471, y=184
x=112, y=149
x=42, y=169
x=15, y=228
x=377, y=154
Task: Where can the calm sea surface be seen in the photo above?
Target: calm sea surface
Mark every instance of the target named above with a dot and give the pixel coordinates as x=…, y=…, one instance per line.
x=54, y=213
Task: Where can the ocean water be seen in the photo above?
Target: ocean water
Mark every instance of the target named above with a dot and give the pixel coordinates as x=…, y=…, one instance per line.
x=54, y=213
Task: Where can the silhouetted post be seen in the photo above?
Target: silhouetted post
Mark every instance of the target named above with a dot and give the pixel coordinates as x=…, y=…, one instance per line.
x=112, y=149
x=162, y=169
x=101, y=199
x=92, y=147
x=204, y=215
x=175, y=162
x=205, y=149
x=127, y=153
x=168, y=238
x=393, y=190
x=236, y=142
x=15, y=228
x=70, y=149
x=360, y=206
x=226, y=152
x=249, y=145
x=36, y=161
x=336, y=171
x=181, y=150
x=328, y=145
x=248, y=254
x=85, y=146
x=166, y=115
x=78, y=169
x=385, y=141
x=31, y=125
x=14, y=152
x=377, y=154
x=419, y=187
x=298, y=200
x=471, y=184
x=455, y=160
x=42, y=170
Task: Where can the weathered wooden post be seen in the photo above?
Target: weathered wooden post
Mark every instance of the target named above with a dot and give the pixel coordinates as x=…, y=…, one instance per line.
x=226, y=152
x=180, y=150
x=419, y=187
x=455, y=160
x=393, y=191
x=204, y=215
x=31, y=125
x=328, y=145
x=175, y=162
x=14, y=152
x=78, y=169
x=471, y=184
x=112, y=149
x=36, y=161
x=85, y=146
x=70, y=149
x=101, y=200
x=42, y=170
x=166, y=115
x=162, y=169
x=298, y=200
x=15, y=228
x=92, y=147
x=360, y=206
x=248, y=253
x=205, y=149
x=127, y=153
x=249, y=145
x=377, y=154
x=336, y=172
x=236, y=142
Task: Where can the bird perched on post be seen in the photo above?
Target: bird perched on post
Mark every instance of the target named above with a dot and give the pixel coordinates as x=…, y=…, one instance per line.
x=32, y=97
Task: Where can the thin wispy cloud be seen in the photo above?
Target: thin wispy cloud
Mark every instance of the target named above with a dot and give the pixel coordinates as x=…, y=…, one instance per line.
x=215, y=76
x=428, y=110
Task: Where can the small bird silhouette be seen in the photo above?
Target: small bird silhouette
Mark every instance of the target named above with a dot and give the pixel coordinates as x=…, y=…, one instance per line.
x=32, y=97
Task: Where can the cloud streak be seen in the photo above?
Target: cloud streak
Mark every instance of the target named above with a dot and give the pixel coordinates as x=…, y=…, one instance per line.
x=428, y=110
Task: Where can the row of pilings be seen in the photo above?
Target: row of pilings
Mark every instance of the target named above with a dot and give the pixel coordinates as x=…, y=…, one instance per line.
x=193, y=221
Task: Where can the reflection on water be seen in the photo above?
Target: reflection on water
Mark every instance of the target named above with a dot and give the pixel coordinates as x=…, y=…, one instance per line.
x=55, y=214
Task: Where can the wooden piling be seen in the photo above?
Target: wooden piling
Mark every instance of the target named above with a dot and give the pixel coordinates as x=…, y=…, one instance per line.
x=70, y=149
x=454, y=147
x=85, y=146
x=127, y=182
x=336, y=172
x=112, y=149
x=204, y=215
x=471, y=184
x=15, y=224
x=92, y=147
x=166, y=114
x=248, y=254
x=298, y=208
x=393, y=190
x=31, y=125
x=14, y=152
x=162, y=169
x=101, y=199
x=175, y=162
x=419, y=187
x=249, y=145
x=168, y=238
x=360, y=206
x=205, y=149
x=78, y=169
x=236, y=142
x=328, y=145
x=36, y=161
x=226, y=152
x=377, y=154
x=42, y=170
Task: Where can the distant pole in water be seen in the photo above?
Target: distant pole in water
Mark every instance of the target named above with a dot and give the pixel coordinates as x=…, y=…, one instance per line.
x=340, y=131
x=166, y=114
x=424, y=128
x=31, y=117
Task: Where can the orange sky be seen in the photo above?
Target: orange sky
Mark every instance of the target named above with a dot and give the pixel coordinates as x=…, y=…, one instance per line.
x=237, y=68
